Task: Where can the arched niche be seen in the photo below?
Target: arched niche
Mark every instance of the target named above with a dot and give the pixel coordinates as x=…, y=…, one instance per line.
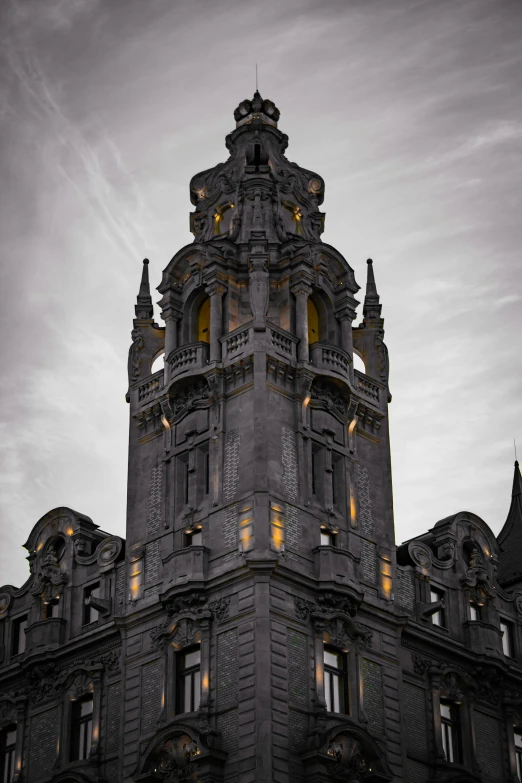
x=313, y=322
x=193, y=317
x=158, y=362
x=321, y=308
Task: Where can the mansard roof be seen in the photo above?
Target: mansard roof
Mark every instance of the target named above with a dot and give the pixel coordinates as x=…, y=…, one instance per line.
x=510, y=537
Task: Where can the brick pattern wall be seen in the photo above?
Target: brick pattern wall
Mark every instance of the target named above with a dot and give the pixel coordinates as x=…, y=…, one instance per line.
x=131, y=695
x=297, y=667
x=228, y=730
x=153, y=521
x=120, y=587
x=297, y=731
x=289, y=459
x=231, y=471
x=405, y=590
x=365, y=501
x=42, y=748
x=229, y=527
x=152, y=561
x=292, y=527
x=227, y=666
x=150, y=695
x=415, y=720
x=279, y=694
x=372, y=695
x=368, y=562
x=489, y=747
x=112, y=726
x=112, y=771
x=417, y=773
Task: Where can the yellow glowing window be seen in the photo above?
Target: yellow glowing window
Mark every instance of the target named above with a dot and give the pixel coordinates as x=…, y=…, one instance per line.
x=313, y=323
x=204, y=322
x=246, y=530
x=277, y=527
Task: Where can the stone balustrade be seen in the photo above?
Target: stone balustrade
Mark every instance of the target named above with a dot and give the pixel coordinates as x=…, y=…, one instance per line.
x=328, y=357
x=189, y=357
x=367, y=387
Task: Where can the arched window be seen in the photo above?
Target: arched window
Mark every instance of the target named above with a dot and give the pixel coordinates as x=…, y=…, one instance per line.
x=204, y=322
x=313, y=323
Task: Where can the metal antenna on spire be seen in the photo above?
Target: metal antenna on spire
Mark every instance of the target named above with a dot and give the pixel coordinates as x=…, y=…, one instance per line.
x=256, y=78
x=515, y=447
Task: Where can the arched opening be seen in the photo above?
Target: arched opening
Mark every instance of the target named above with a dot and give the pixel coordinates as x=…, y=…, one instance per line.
x=358, y=363
x=158, y=363
x=313, y=322
x=204, y=322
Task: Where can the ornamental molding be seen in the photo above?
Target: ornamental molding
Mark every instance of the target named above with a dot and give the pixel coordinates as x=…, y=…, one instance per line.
x=188, y=615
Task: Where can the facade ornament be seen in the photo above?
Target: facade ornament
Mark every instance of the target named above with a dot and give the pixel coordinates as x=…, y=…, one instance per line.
x=476, y=582
x=5, y=600
x=174, y=761
x=135, y=354
x=109, y=551
x=384, y=361
x=303, y=608
x=50, y=581
x=349, y=762
x=220, y=608
x=421, y=556
x=329, y=394
x=421, y=666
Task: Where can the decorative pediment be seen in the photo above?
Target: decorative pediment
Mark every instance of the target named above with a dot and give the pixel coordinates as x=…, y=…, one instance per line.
x=187, y=615
x=180, y=753
x=348, y=753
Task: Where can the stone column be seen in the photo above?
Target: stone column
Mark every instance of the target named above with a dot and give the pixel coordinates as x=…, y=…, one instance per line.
x=301, y=291
x=171, y=312
x=215, y=291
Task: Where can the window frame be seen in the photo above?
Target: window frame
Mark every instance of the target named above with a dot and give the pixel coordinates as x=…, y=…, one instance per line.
x=440, y=613
x=451, y=731
x=330, y=675
x=16, y=637
x=192, y=674
x=517, y=732
x=81, y=741
x=8, y=753
x=507, y=637
x=474, y=609
x=330, y=537
x=88, y=611
x=193, y=533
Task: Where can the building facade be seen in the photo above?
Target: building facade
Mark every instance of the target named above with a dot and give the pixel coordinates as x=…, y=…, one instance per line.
x=259, y=623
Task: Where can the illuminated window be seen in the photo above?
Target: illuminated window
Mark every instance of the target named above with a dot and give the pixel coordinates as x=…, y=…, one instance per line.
x=277, y=527
x=81, y=728
x=7, y=753
x=246, y=530
x=474, y=612
x=189, y=680
x=439, y=617
x=19, y=629
x=450, y=727
x=90, y=614
x=194, y=537
x=334, y=681
x=518, y=751
x=204, y=322
x=313, y=322
x=506, y=629
x=328, y=537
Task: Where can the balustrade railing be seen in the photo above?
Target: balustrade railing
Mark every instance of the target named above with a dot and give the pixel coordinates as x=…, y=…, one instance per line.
x=150, y=387
x=367, y=387
x=188, y=357
x=327, y=357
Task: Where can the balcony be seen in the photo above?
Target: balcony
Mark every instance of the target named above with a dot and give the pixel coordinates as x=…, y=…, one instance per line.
x=237, y=343
x=283, y=343
x=330, y=359
x=188, y=358
x=148, y=389
x=367, y=387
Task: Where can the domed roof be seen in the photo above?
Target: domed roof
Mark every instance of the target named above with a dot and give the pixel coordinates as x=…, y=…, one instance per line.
x=257, y=108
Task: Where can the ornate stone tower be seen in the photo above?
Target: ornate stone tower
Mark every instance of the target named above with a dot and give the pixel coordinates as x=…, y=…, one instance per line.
x=260, y=534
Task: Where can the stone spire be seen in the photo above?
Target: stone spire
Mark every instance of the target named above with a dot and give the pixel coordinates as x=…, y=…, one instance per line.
x=372, y=307
x=143, y=308
x=510, y=537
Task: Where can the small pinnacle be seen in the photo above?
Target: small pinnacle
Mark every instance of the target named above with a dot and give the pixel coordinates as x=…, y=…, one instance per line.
x=145, y=260
x=369, y=261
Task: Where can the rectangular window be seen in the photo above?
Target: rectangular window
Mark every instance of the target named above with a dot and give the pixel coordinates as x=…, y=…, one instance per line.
x=335, y=681
x=450, y=726
x=189, y=680
x=246, y=530
x=90, y=614
x=518, y=751
x=194, y=537
x=506, y=629
x=7, y=753
x=50, y=610
x=18, y=641
x=81, y=728
x=277, y=527
x=474, y=612
x=328, y=537
x=439, y=617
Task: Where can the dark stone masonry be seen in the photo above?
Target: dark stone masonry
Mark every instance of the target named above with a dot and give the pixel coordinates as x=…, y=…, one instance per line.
x=259, y=623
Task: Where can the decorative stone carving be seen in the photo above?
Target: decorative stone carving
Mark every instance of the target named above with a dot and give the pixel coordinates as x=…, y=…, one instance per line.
x=184, y=398
x=476, y=582
x=421, y=555
x=5, y=600
x=109, y=551
x=349, y=762
x=330, y=394
x=220, y=608
x=338, y=603
x=303, y=608
x=50, y=580
x=421, y=666
x=135, y=355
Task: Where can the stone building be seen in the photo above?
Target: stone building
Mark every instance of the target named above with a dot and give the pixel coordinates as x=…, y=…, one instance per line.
x=259, y=622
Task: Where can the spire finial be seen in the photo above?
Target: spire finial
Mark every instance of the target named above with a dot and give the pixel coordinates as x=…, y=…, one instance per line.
x=517, y=481
x=372, y=307
x=143, y=308
x=257, y=86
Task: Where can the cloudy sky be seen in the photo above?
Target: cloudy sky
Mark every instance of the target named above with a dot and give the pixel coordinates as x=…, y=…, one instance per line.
x=410, y=110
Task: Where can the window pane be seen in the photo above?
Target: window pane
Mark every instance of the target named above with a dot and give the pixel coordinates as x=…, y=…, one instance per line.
x=326, y=539
x=332, y=659
x=518, y=739
x=473, y=613
x=196, y=539
x=187, y=693
x=88, y=737
x=197, y=690
x=505, y=630
x=336, y=693
x=328, y=690
x=192, y=659
x=86, y=707
x=445, y=711
x=10, y=738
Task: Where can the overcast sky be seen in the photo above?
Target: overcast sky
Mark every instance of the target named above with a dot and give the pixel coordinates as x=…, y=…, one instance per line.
x=410, y=109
